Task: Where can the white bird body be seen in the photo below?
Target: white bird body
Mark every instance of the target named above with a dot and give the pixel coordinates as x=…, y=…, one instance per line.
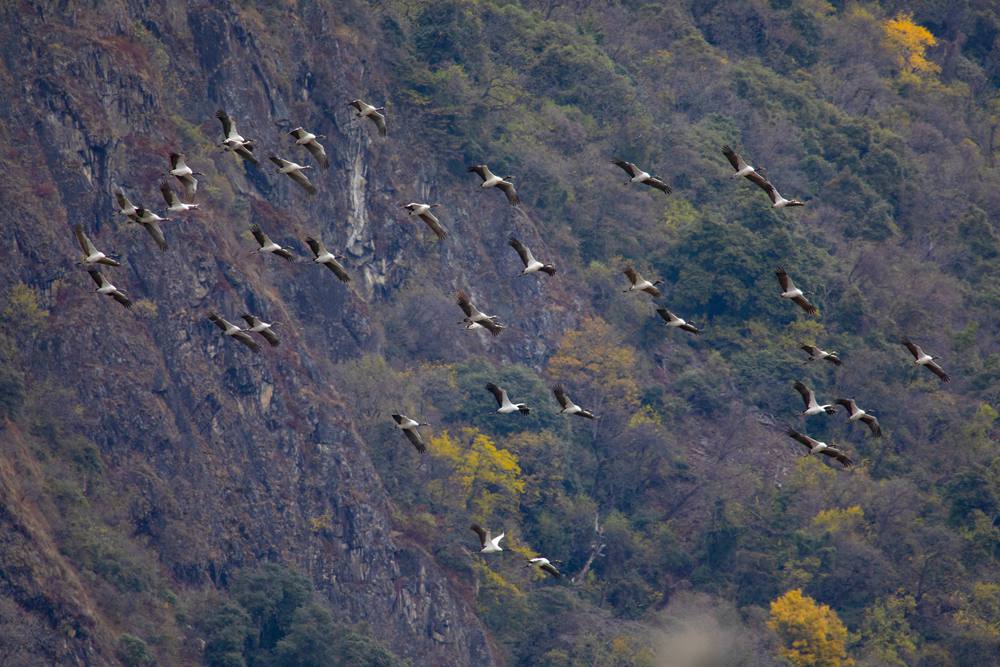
x=812, y=406
x=232, y=331
x=816, y=447
x=409, y=428
x=91, y=255
x=921, y=358
x=174, y=203
x=816, y=354
x=375, y=114
x=489, y=544
x=545, y=565
x=324, y=257
x=506, y=406
x=568, y=406
x=676, y=321
x=104, y=286
x=639, y=284
x=475, y=319
x=531, y=265
x=423, y=211
x=125, y=206
x=854, y=414
x=491, y=180
x=739, y=164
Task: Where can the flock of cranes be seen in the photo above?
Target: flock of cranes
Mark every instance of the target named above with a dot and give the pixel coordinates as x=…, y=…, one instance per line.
x=474, y=318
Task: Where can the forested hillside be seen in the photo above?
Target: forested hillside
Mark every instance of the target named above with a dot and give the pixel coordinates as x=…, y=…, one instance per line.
x=169, y=497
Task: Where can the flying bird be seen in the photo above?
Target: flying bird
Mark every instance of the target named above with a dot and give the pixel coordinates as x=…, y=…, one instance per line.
x=790, y=291
x=816, y=354
x=409, y=428
x=306, y=138
x=640, y=284
x=777, y=201
x=174, y=204
x=921, y=358
x=531, y=265
x=105, y=287
x=857, y=414
x=375, y=114
x=812, y=407
x=327, y=258
x=234, y=142
x=506, y=407
x=817, y=447
x=423, y=211
x=741, y=167
x=637, y=175
x=490, y=544
x=259, y=326
x=568, y=406
x=91, y=255
x=151, y=223
x=233, y=331
x=294, y=171
x=677, y=322
x=180, y=170
x=267, y=245
x=125, y=206
x=546, y=565
x=491, y=180
x=474, y=318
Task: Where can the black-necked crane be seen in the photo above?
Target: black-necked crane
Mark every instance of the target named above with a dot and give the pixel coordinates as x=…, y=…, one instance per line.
x=640, y=284
x=676, y=322
x=269, y=246
x=546, y=565
x=489, y=544
x=637, y=175
x=816, y=447
x=816, y=354
x=854, y=413
x=304, y=137
x=812, y=406
x=921, y=358
x=323, y=256
x=506, y=406
x=375, y=114
x=475, y=319
x=423, y=211
x=259, y=326
x=777, y=201
x=105, y=287
x=174, y=203
x=232, y=331
x=568, y=406
x=91, y=255
x=294, y=171
x=739, y=164
x=531, y=265
x=491, y=180
x=151, y=223
x=183, y=173
x=409, y=428
x=233, y=141
x=125, y=206
x=790, y=291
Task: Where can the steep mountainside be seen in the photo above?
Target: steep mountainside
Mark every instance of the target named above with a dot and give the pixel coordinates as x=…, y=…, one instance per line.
x=151, y=470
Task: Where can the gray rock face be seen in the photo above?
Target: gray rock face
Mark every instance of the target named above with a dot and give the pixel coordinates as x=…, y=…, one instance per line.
x=221, y=458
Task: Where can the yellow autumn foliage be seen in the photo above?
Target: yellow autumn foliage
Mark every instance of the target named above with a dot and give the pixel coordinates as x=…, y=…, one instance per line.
x=480, y=473
x=813, y=635
x=909, y=42
x=836, y=520
x=594, y=356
